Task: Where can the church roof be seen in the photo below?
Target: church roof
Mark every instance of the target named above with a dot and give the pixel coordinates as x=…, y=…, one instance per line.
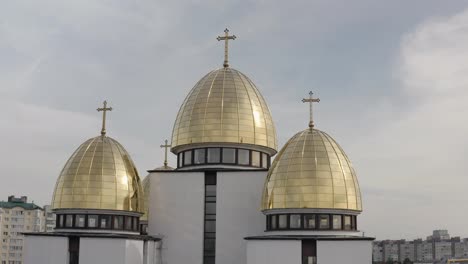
x=312, y=171
x=99, y=175
x=225, y=106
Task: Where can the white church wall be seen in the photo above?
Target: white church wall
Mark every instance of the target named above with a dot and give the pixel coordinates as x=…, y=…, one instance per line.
x=102, y=250
x=177, y=202
x=237, y=213
x=134, y=252
x=113, y=250
x=350, y=252
x=275, y=252
x=45, y=250
x=152, y=255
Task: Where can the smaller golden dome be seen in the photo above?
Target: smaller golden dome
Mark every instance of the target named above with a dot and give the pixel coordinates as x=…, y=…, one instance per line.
x=225, y=106
x=99, y=175
x=312, y=171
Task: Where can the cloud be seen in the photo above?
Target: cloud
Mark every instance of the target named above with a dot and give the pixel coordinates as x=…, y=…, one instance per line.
x=420, y=154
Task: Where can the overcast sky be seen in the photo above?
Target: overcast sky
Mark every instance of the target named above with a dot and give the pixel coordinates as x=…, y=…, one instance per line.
x=392, y=77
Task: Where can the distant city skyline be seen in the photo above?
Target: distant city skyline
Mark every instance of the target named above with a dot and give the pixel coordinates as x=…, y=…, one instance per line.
x=391, y=77
x=436, y=248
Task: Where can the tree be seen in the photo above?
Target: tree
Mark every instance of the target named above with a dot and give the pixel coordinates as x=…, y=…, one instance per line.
x=407, y=261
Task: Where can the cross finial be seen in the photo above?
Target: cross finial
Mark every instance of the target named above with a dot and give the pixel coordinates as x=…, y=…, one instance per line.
x=165, y=146
x=104, y=110
x=226, y=39
x=311, y=100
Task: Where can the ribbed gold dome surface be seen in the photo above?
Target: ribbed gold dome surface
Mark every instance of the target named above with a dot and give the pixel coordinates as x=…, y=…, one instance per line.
x=146, y=193
x=225, y=106
x=312, y=171
x=99, y=175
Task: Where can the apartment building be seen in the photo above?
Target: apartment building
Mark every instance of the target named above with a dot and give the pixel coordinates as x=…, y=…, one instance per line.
x=17, y=216
x=439, y=246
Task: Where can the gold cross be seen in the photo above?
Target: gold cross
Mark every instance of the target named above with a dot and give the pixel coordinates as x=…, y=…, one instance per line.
x=311, y=101
x=165, y=146
x=104, y=110
x=226, y=39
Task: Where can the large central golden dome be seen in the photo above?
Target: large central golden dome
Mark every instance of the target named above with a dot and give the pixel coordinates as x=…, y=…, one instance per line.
x=312, y=171
x=225, y=106
x=99, y=175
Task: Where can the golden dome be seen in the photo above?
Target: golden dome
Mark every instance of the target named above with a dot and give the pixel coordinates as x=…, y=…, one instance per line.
x=99, y=175
x=312, y=171
x=146, y=193
x=225, y=106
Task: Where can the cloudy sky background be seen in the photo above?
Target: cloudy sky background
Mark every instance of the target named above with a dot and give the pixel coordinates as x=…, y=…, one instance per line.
x=392, y=77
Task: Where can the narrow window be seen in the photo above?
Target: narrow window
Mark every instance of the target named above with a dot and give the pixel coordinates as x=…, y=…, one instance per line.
x=309, y=221
x=69, y=221
x=80, y=221
x=347, y=222
x=243, y=156
x=210, y=208
x=118, y=222
x=295, y=221
x=229, y=155
x=188, y=157
x=210, y=190
x=309, y=252
x=209, y=240
x=105, y=222
x=264, y=161
x=135, y=224
x=214, y=155
x=180, y=159
x=92, y=221
x=199, y=156
x=60, y=222
x=274, y=222
x=282, y=221
x=324, y=221
x=255, y=158
x=337, y=222
x=74, y=250
x=128, y=223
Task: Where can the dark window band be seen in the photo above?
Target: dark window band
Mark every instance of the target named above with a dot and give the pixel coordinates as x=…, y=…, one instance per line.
x=311, y=222
x=227, y=156
x=209, y=232
x=97, y=221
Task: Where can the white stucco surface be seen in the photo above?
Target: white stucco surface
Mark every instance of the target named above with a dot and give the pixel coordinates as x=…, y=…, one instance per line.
x=237, y=213
x=152, y=252
x=45, y=250
x=134, y=252
x=177, y=214
x=99, y=250
x=115, y=251
x=275, y=252
x=349, y=252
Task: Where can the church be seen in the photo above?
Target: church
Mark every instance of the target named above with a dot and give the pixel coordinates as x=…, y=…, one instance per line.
x=234, y=196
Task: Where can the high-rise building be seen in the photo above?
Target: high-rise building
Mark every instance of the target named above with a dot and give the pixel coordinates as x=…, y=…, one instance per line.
x=440, y=235
x=17, y=216
x=437, y=247
x=50, y=219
